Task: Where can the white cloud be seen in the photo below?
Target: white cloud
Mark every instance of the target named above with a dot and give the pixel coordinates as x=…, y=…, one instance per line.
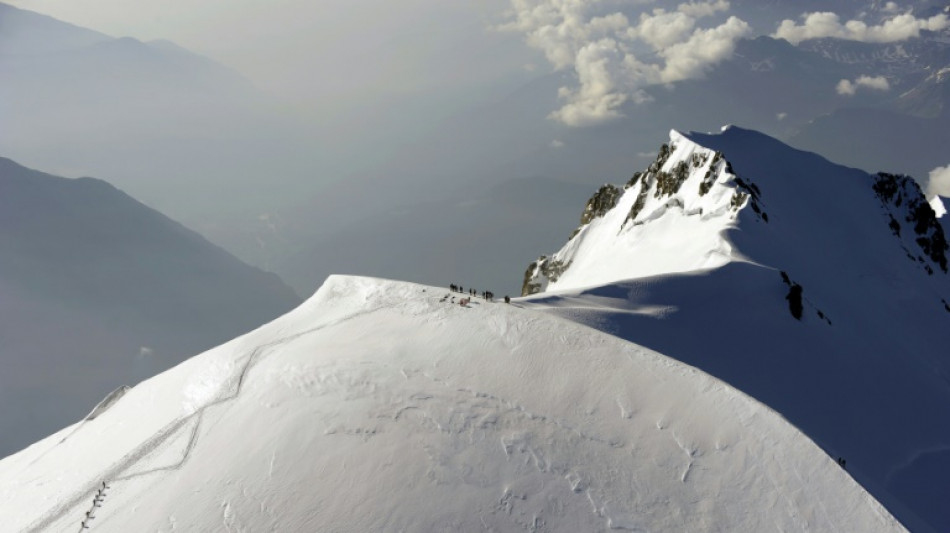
x=556, y=27
x=557, y=143
x=826, y=24
x=845, y=88
x=703, y=9
x=690, y=59
x=598, y=97
x=849, y=88
x=890, y=7
x=938, y=182
x=598, y=46
x=661, y=29
x=781, y=116
x=878, y=83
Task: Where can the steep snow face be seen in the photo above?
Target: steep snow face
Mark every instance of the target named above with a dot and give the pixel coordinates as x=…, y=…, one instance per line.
x=697, y=208
x=831, y=306
x=489, y=416
x=668, y=218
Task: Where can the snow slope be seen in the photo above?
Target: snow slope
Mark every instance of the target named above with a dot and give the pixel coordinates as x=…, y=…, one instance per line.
x=712, y=280
x=377, y=406
x=678, y=232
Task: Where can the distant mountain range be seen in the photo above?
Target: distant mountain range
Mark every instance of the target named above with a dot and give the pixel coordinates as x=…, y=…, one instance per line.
x=788, y=91
x=469, y=237
x=172, y=127
x=180, y=132
x=98, y=291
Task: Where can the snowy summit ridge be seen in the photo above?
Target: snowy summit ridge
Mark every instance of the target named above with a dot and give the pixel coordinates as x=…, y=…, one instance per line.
x=682, y=213
x=487, y=417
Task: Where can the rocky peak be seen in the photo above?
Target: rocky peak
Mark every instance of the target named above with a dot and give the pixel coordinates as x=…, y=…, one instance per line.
x=685, y=181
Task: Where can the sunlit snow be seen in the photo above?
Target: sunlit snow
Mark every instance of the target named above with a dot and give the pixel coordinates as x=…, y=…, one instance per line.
x=382, y=406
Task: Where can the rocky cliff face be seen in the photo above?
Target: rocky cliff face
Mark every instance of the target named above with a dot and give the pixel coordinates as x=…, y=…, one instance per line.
x=912, y=220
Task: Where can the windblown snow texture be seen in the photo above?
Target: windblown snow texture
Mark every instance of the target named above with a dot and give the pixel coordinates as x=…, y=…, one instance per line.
x=818, y=289
x=485, y=417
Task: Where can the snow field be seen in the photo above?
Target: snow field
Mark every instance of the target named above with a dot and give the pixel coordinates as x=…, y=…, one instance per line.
x=374, y=406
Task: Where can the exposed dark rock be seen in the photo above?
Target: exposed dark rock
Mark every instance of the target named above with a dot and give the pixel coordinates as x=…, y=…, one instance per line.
x=660, y=160
x=698, y=160
x=602, y=201
x=640, y=202
x=895, y=226
x=738, y=198
x=710, y=176
x=894, y=190
x=527, y=285
x=544, y=267
x=669, y=183
x=634, y=180
x=794, y=298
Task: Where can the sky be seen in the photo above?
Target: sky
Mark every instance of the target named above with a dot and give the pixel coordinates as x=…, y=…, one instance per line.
x=309, y=53
x=431, y=91
x=334, y=54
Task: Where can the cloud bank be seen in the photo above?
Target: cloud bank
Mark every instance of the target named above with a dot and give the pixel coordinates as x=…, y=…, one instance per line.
x=826, y=24
x=598, y=46
x=848, y=87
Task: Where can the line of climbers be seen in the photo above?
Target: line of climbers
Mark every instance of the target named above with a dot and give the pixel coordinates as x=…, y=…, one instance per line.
x=96, y=502
x=487, y=295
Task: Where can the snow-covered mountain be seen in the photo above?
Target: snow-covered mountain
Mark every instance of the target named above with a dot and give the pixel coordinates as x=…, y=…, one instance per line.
x=486, y=417
x=820, y=290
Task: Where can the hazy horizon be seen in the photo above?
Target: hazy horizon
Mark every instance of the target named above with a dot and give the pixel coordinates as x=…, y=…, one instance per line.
x=345, y=112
